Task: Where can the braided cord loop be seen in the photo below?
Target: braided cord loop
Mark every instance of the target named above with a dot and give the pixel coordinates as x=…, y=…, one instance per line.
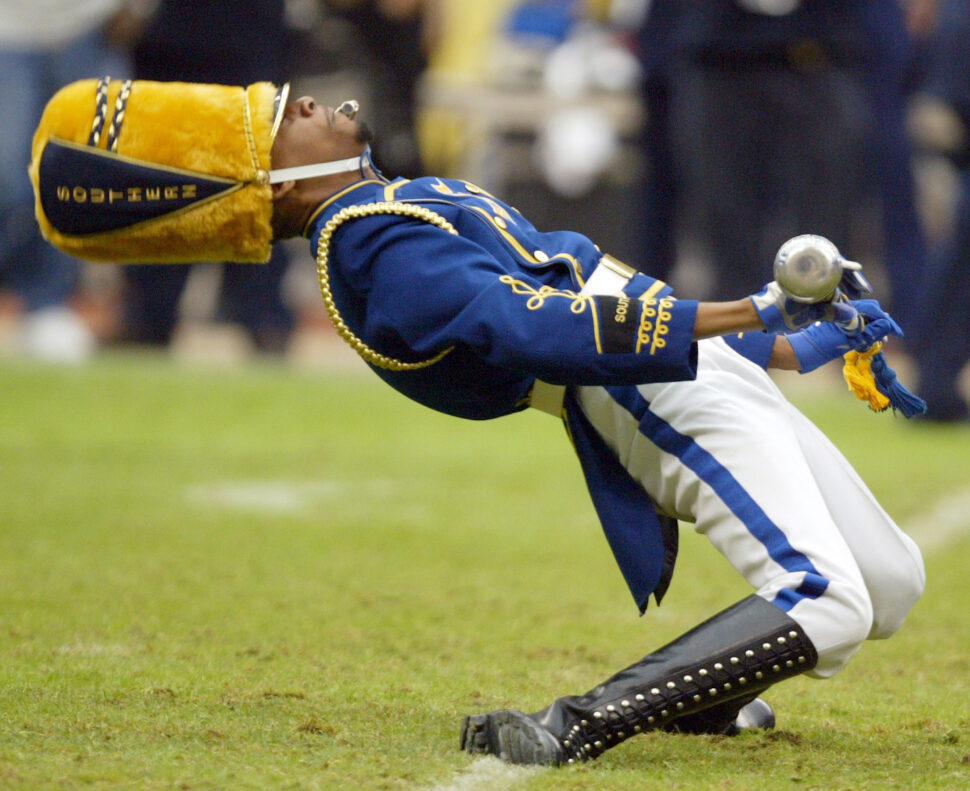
x=121, y=105
x=369, y=354
x=100, y=111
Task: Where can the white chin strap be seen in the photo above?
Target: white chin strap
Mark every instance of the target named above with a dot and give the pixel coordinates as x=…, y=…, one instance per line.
x=320, y=169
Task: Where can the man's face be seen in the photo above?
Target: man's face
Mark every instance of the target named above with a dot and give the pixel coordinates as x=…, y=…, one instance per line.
x=310, y=133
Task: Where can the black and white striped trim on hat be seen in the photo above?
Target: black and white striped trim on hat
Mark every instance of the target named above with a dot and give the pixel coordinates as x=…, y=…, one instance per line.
x=100, y=111
x=121, y=104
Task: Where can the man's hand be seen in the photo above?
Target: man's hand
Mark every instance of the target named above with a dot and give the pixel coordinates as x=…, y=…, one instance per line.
x=780, y=313
x=820, y=343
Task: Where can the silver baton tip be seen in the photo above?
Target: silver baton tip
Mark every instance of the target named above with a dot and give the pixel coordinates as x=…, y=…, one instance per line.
x=808, y=268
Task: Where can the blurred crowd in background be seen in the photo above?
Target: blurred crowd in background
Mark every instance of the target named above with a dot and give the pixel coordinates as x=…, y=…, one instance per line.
x=690, y=138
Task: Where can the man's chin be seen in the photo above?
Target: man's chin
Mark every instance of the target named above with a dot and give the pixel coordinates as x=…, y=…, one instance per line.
x=364, y=133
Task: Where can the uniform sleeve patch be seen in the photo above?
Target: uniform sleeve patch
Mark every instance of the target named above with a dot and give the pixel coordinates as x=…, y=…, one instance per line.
x=618, y=319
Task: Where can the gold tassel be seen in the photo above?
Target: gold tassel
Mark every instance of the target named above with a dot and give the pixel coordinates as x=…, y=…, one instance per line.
x=857, y=371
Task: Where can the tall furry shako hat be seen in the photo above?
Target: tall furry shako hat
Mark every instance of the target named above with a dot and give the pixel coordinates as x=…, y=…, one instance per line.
x=157, y=172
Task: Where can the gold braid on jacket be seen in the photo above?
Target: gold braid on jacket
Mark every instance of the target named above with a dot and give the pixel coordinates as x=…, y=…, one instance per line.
x=369, y=354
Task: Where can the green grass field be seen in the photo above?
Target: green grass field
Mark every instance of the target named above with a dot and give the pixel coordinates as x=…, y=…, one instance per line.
x=266, y=578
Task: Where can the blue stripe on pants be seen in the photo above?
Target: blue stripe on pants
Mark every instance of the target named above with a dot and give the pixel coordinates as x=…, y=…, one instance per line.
x=731, y=493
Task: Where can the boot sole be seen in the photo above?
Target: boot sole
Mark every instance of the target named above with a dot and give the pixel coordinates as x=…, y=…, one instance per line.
x=511, y=736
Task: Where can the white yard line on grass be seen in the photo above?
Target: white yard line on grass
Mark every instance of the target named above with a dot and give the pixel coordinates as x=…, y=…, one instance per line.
x=488, y=774
x=947, y=520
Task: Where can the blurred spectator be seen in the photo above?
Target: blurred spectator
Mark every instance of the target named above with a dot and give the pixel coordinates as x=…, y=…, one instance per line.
x=770, y=118
x=229, y=42
x=44, y=45
x=941, y=334
x=657, y=48
x=394, y=38
x=890, y=59
x=569, y=50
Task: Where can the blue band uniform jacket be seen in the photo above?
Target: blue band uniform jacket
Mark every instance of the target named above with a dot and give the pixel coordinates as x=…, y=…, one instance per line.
x=476, y=306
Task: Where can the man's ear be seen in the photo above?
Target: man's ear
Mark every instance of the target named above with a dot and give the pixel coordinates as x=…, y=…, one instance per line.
x=282, y=189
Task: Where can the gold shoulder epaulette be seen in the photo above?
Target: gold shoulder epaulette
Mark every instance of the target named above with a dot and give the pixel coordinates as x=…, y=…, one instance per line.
x=369, y=354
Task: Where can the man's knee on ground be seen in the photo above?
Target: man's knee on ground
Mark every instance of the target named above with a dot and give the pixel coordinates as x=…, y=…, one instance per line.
x=896, y=596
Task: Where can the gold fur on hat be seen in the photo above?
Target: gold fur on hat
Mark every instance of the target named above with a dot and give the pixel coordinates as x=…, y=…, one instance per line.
x=157, y=172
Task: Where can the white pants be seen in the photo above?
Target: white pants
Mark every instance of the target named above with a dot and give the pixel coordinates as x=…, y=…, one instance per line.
x=730, y=454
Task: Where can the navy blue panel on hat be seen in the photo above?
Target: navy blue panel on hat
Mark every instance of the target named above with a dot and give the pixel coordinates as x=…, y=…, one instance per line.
x=86, y=190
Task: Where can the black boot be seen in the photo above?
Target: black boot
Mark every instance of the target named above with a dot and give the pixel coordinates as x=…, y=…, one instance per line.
x=727, y=719
x=734, y=655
